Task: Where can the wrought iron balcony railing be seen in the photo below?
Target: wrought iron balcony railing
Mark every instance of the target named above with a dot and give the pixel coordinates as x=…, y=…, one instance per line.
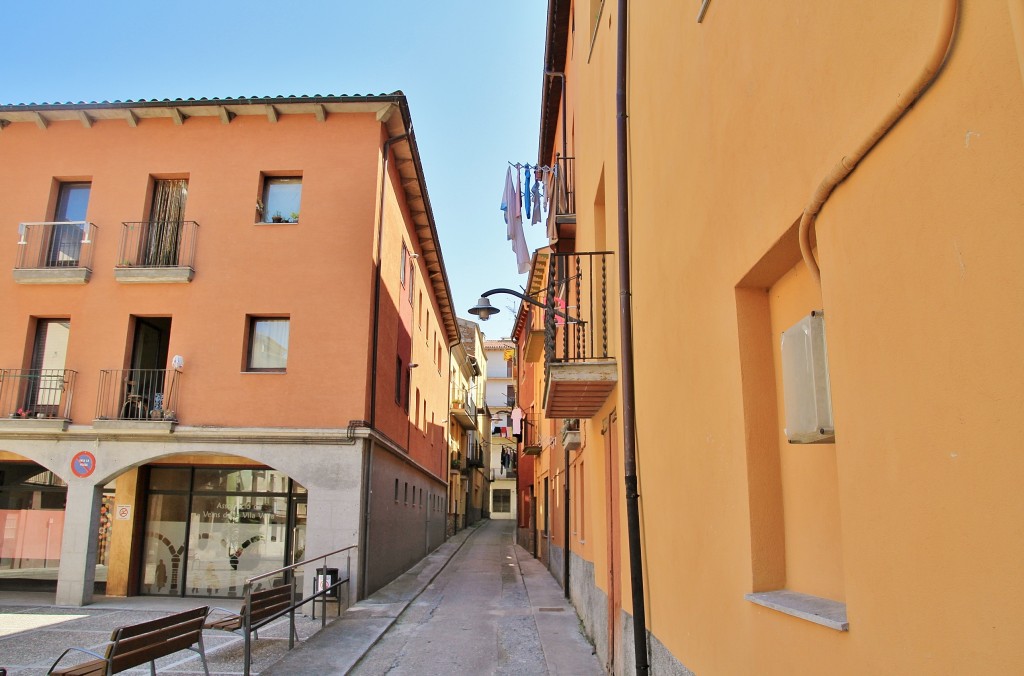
x=138, y=394
x=36, y=393
x=576, y=307
x=169, y=247
x=564, y=183
x=579, y=372
x=52, y=251
x=531, y=437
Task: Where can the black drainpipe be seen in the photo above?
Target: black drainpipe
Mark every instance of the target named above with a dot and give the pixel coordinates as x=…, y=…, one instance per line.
x=372, y=422
x=565, y=568
x=636, y=563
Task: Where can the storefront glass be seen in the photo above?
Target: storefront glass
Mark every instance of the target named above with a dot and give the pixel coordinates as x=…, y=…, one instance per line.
x=208, y=529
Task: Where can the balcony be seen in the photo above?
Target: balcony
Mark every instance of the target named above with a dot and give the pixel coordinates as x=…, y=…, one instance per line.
x=579, y=373
x=36, y=397
x=499, y=473
x=464, y=410
x=157, y=252
x=563, y=184
x=456, y=464
x=137, y=398
x=54, y=253
x=531, y=438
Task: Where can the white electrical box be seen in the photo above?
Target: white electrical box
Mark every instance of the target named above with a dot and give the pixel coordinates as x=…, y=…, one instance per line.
x=805, y=383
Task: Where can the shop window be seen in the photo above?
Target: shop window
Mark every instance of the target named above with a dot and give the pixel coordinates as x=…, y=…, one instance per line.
x=209, y=528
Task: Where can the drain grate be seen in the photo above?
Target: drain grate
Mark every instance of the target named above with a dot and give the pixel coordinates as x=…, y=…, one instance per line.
x=550, y=610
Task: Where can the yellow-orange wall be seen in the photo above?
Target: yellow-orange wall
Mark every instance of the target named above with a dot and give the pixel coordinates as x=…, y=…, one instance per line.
x=733, y=123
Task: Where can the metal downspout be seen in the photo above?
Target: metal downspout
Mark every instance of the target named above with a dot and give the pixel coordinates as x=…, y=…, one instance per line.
x=565, y=557
x=367, y=490
x=636, y=566
x=846, y=164
x=567, y=542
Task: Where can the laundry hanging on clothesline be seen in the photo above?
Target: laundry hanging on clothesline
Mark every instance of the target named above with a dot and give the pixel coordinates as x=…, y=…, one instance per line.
x=515, y=200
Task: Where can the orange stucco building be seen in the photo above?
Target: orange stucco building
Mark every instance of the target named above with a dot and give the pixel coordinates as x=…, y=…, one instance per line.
x=210, y=312
x=729, y=152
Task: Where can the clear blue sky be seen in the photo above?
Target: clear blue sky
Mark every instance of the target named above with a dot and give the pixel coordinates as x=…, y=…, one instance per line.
x=472, y=70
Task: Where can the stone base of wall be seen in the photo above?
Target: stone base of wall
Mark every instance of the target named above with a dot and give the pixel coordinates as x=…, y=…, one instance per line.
x=592, y=606
x=524, y=538
x=455, y=523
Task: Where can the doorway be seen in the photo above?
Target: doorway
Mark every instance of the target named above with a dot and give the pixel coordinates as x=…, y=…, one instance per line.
x=65, y=245
x=144, y=380
x=45, y=384
x=162, y=239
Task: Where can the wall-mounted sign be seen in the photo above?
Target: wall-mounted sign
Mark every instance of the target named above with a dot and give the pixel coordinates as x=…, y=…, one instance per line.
x=83, y=464
x=124, y=512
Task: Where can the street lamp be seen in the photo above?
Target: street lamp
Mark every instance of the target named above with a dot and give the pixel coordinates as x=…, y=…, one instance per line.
x=483, y=308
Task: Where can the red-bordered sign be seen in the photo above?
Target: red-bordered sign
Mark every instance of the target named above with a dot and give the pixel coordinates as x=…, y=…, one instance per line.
x=83, y=464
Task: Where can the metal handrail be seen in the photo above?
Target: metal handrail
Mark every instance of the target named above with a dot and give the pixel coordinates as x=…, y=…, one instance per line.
x=247, y=625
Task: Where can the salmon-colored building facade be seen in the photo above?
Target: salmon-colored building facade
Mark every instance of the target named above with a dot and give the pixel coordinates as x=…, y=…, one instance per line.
x=819, y=205
x=210, y=312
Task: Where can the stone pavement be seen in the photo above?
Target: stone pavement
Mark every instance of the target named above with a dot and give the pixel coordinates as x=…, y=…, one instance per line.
x=476, y=605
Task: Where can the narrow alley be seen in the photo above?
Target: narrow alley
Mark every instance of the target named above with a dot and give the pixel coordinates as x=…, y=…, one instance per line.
x=491, y=609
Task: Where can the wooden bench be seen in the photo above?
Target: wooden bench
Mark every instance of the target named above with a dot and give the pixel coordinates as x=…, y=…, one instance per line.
x=266, y=606
x=136, y=644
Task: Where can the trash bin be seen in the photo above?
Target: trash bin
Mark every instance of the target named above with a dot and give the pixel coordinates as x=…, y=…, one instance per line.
x=326, y=578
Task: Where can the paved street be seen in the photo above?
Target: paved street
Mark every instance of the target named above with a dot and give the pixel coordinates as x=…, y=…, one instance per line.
x=492, y=610
x=478, y=605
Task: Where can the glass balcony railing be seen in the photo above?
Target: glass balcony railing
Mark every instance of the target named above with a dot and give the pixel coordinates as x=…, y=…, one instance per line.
x=54, y=252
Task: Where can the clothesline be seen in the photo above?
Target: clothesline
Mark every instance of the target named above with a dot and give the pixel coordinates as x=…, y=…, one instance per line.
x=535, y=167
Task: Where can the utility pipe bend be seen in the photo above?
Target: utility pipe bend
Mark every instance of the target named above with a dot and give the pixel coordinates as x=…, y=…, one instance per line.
x=846, y=164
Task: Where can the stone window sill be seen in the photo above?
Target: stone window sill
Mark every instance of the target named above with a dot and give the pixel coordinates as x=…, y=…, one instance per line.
x=831, y=614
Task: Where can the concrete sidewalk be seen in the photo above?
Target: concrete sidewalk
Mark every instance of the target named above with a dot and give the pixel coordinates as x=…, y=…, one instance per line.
x=478, y=604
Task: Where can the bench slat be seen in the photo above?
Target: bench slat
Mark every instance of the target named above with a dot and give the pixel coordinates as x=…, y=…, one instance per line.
x=148, y=653
x=127, y=645
x=161, y=622
x=90, y=668
x=137, y=644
